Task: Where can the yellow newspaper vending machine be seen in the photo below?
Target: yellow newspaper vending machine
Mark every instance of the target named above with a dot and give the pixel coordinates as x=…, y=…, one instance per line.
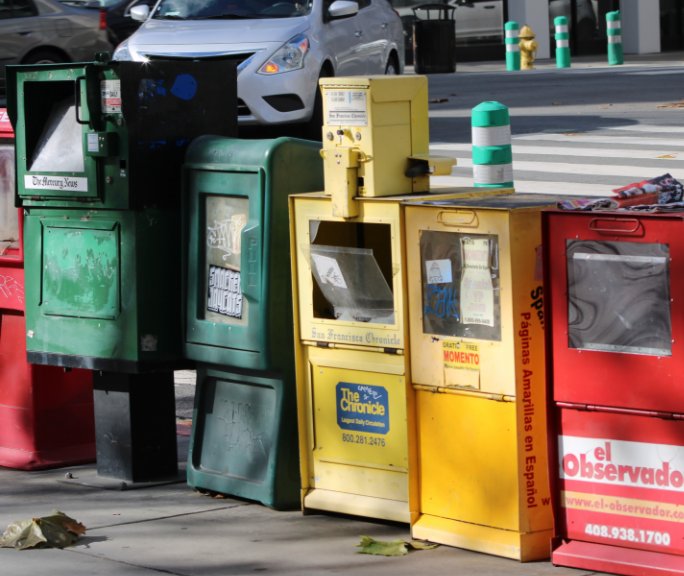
x=349, y=290
x=351, y=368
x=478, y=373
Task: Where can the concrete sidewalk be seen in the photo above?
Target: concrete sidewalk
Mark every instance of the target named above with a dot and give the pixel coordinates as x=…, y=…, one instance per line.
x=578, y=62
x=171, y=529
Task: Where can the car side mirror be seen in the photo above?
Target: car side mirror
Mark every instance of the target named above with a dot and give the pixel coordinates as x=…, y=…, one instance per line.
x=342, y=8
x=140, y=13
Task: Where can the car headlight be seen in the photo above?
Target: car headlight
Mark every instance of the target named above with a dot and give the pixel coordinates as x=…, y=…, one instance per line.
x=122, y=52
x=290, y=56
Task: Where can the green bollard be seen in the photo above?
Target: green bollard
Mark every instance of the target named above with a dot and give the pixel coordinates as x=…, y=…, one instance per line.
x=512, y=32
x=614, y=31
x=562, y=37
x=492, y=152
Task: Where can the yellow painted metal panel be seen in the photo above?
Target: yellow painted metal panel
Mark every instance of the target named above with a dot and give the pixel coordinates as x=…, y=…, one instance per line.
x=526, y=547
x=378, y=227
x=368, y=411
x=357, y=505
x=357, y=442
x=468, y=459
x=385, y=118
x=483, y=478
x=493, y=363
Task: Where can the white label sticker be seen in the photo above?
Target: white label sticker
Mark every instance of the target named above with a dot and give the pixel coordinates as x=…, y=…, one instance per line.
x=477, y=290
x=225, y=292
x=346, y=107
x=92, y=142
x=329, y=270
x=438, y=271
x=111, y=96
x=68, y=183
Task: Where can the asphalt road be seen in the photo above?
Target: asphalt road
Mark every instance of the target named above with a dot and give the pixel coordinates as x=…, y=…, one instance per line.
x=549, y=99
x=584, y=130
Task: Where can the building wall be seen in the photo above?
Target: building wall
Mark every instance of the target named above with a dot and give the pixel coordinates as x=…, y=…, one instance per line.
x=640, y=24
x=534, y=13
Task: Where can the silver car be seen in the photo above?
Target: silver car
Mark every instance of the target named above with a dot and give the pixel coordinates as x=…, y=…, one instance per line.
x=283, y=47
x=47, y=31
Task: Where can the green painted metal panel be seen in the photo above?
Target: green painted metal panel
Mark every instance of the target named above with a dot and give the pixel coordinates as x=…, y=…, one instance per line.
x=50, y=132
x=224, y=281
x=113, y=134
x=239, y=306
x=102, y=288
x=81, y=270
x=244, y=437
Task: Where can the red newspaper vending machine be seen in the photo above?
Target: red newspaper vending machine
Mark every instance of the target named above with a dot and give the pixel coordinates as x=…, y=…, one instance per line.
x=615, y=306
x=46, y=413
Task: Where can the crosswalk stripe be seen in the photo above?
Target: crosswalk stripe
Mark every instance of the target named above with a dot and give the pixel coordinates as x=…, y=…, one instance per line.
x=595, y=153
x=650, y=129
x=565, y=162
x=531, y=186
x=595, y=168
x=583, y=137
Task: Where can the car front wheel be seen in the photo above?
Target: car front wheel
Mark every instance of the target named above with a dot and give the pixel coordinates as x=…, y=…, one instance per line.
x=313, y=128
x=44, y=57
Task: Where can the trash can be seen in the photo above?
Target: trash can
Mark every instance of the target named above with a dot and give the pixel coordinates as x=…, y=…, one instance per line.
x=434, y=39
x=46, y=413
x=239, y=314
x=613, y=285
x=477, y=354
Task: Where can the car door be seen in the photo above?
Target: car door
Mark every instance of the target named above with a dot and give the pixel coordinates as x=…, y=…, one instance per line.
x=18, y=27
x=375, y=29
x=343, y=40
x=478, y=19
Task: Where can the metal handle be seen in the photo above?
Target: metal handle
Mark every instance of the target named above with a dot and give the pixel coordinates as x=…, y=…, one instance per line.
x=250, y=261
x=624, y=226
x=463, y=218
x=77, y=98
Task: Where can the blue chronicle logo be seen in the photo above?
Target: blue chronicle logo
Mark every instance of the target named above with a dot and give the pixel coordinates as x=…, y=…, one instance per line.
x=362, y=407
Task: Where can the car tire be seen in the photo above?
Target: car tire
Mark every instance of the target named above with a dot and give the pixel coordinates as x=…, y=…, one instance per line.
x=44, y=57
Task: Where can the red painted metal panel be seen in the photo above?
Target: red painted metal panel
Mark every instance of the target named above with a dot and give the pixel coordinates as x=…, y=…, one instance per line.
x=620, y=480
x=6, y=131
x=636, y=377
x=12, y=254
x=591, y=556
x=46, y=413
x=619, y=491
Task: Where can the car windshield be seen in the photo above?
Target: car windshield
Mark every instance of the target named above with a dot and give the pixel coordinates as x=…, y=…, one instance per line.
x=230, y=9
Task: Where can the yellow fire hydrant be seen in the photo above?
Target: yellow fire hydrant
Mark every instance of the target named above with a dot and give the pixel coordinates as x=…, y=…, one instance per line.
x=528, y=48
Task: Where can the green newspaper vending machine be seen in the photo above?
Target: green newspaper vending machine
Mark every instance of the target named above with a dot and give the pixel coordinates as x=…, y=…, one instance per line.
x=99, y=151
x=239, y=314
